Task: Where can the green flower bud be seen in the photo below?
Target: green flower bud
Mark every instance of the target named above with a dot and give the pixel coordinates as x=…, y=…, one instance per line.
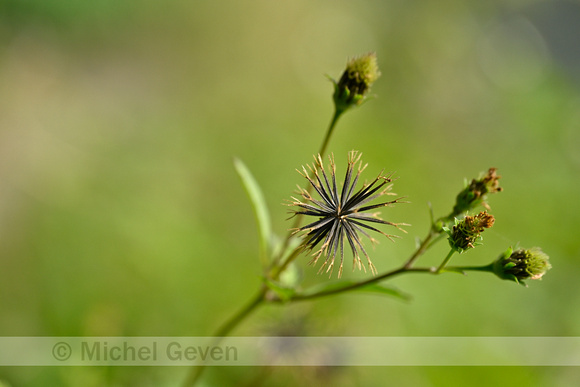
x=466, y=232
x=522, y=264
x=356, y=81
x=475, y=193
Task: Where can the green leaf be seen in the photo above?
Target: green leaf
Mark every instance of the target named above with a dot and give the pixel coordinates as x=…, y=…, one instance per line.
x=335, y=287
x=260, y=209
x=386, y=290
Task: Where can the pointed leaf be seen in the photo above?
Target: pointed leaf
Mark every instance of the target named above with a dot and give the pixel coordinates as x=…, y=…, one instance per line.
x=260, y=209
x=336, y=286
x=386, y=290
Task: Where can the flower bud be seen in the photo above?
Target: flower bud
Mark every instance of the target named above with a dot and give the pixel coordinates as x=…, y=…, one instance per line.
x=522, y=264
x=475, y=193
x=356, y=81
x=466, y=232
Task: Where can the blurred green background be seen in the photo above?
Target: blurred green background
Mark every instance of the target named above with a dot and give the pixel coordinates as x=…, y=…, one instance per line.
x=121, y=213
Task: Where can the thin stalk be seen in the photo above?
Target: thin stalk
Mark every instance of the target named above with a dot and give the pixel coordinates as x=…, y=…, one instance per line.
x=487, y=268
x=225, y=329
x=229, y=325
x=421, y=249
x=447, y=258
x=435, y=235
x=393, y=273
x=361, y=284
x=406, y=268
x=335, y=117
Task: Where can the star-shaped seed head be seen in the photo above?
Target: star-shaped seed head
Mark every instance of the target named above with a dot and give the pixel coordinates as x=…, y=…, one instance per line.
x=341, y=212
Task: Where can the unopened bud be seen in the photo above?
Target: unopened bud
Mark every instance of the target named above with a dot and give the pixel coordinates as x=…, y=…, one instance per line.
x=522, y=264
x=466, y=232
x=356, y=81
x=475, y=193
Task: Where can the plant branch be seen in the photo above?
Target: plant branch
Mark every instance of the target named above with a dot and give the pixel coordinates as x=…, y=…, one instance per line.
x=225, y=329
x=447, y=258
x=425, y=244
x=460, y=269
x=330, y=130
x=357, y=285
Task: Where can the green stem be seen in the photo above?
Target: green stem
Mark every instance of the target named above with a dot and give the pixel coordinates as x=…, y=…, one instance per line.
x=393, y=273
x=425, y=244
x=335, y=117
x=225, y=329
x=487, y=268
x=242, y=313
x=331, y=292
x=435, y=234
x=447, y=258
